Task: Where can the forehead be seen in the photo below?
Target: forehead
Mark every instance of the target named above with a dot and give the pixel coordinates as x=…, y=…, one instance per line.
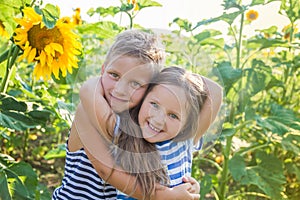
x=173, y=97
x=131, y=67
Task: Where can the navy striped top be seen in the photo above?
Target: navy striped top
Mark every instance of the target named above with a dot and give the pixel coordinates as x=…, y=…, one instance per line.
x=81, y=180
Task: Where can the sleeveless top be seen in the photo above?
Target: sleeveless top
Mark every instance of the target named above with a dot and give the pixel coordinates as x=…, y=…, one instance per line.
x=177, y=156
x=81, y=181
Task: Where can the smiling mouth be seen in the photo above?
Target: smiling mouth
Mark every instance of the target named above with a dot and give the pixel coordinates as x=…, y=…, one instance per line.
x=118, y=99
x=153, y=128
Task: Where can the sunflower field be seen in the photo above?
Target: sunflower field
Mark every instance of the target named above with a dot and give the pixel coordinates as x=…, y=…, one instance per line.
x=45, y=57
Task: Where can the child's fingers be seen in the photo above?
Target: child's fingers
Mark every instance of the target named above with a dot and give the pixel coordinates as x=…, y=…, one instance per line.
x=196, y=196
x=185, y=179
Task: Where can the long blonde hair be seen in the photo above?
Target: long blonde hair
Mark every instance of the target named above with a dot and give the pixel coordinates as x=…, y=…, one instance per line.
x=139, y=157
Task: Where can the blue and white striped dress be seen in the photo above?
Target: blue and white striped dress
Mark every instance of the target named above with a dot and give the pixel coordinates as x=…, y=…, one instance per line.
x=81, y=181
x=177, y=156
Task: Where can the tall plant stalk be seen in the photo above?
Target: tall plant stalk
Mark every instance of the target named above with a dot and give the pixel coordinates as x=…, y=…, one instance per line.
x=226, y=151
x=11, y=58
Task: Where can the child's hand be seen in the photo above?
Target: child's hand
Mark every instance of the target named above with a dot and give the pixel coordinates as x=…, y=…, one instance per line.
x=195, y=185
x=183, y=191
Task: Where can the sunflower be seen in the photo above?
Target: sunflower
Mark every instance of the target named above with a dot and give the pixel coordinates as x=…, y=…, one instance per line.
x=3, y=32
x=252, y=15
x=54, y=50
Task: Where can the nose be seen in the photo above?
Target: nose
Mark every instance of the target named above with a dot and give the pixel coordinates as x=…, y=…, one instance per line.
x=158, y=117
x=120, y=88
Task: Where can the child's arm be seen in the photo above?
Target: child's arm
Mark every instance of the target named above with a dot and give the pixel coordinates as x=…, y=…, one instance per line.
x=97, y=151
x=125, y=183
x=210, y=108
x=96, y=107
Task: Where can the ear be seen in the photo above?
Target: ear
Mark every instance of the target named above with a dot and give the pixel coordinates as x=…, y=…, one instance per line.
x=102, y=69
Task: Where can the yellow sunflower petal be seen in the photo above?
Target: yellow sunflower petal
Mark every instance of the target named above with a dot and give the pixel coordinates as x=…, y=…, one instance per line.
x=42, y=58
x=55, y=70
x=57, y=47
x=31, y=55
x=38, y=71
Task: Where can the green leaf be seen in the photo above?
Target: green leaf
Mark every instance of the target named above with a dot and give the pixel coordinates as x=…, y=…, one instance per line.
x=59, y=152
x=263, y=43
x=291, y=143
x=148, y=3
x=259, y=76
x=257, y=2
x=267, y=175
x=4, y=194
x=9, y=122
x=293, y=168
x=111, y=10
x=228, y=75
x=10, y=103
x=41, y=115
x=205, y=185
x=230, y=17
x=291, y=8
x=29, y=178
x=226, y=132
x=237, y=167
x=21, y=118
x=214, y=42
x=50, y=15
x=271, y=30
x=16, y=186
x=230, y=4
x=105, y=29
x=183, y=24
x=280, y=120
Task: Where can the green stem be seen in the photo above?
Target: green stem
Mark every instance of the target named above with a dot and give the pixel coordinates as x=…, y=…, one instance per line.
x=130, y=20
x=239, y=45
x=249, y=194
x=4, y=56
x=224, y=176
x=212, y=162
x=11, y=58
x=244, y=151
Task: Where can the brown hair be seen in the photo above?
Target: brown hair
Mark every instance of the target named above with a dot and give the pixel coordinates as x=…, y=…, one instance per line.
x=139, y=157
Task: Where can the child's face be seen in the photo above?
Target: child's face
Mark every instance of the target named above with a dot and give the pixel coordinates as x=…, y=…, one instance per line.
x=124, y=82
x=163, y=113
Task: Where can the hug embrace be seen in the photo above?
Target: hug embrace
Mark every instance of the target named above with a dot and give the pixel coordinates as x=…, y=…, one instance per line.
x=137, y=125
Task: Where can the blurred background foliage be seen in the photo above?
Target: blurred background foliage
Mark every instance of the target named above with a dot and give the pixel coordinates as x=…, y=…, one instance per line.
x=253, y=153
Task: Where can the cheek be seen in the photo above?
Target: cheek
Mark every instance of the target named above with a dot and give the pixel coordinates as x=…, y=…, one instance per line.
x=107, y=83
x=176, y=128
x=143, y=113
x=137, y=95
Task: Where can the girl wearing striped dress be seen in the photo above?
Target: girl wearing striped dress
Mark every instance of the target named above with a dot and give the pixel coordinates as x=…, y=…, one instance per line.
x=154, y=141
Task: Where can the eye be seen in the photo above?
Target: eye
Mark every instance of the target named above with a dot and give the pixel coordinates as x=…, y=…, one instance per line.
x=136, y=84
x=154, y=105
x=113, y=75
x=173, y=116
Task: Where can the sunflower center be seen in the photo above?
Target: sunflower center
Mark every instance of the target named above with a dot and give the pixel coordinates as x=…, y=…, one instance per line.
x=39, y=37
x=252, y=16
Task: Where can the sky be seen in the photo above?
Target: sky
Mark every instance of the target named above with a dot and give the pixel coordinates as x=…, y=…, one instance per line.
x=192, y=10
